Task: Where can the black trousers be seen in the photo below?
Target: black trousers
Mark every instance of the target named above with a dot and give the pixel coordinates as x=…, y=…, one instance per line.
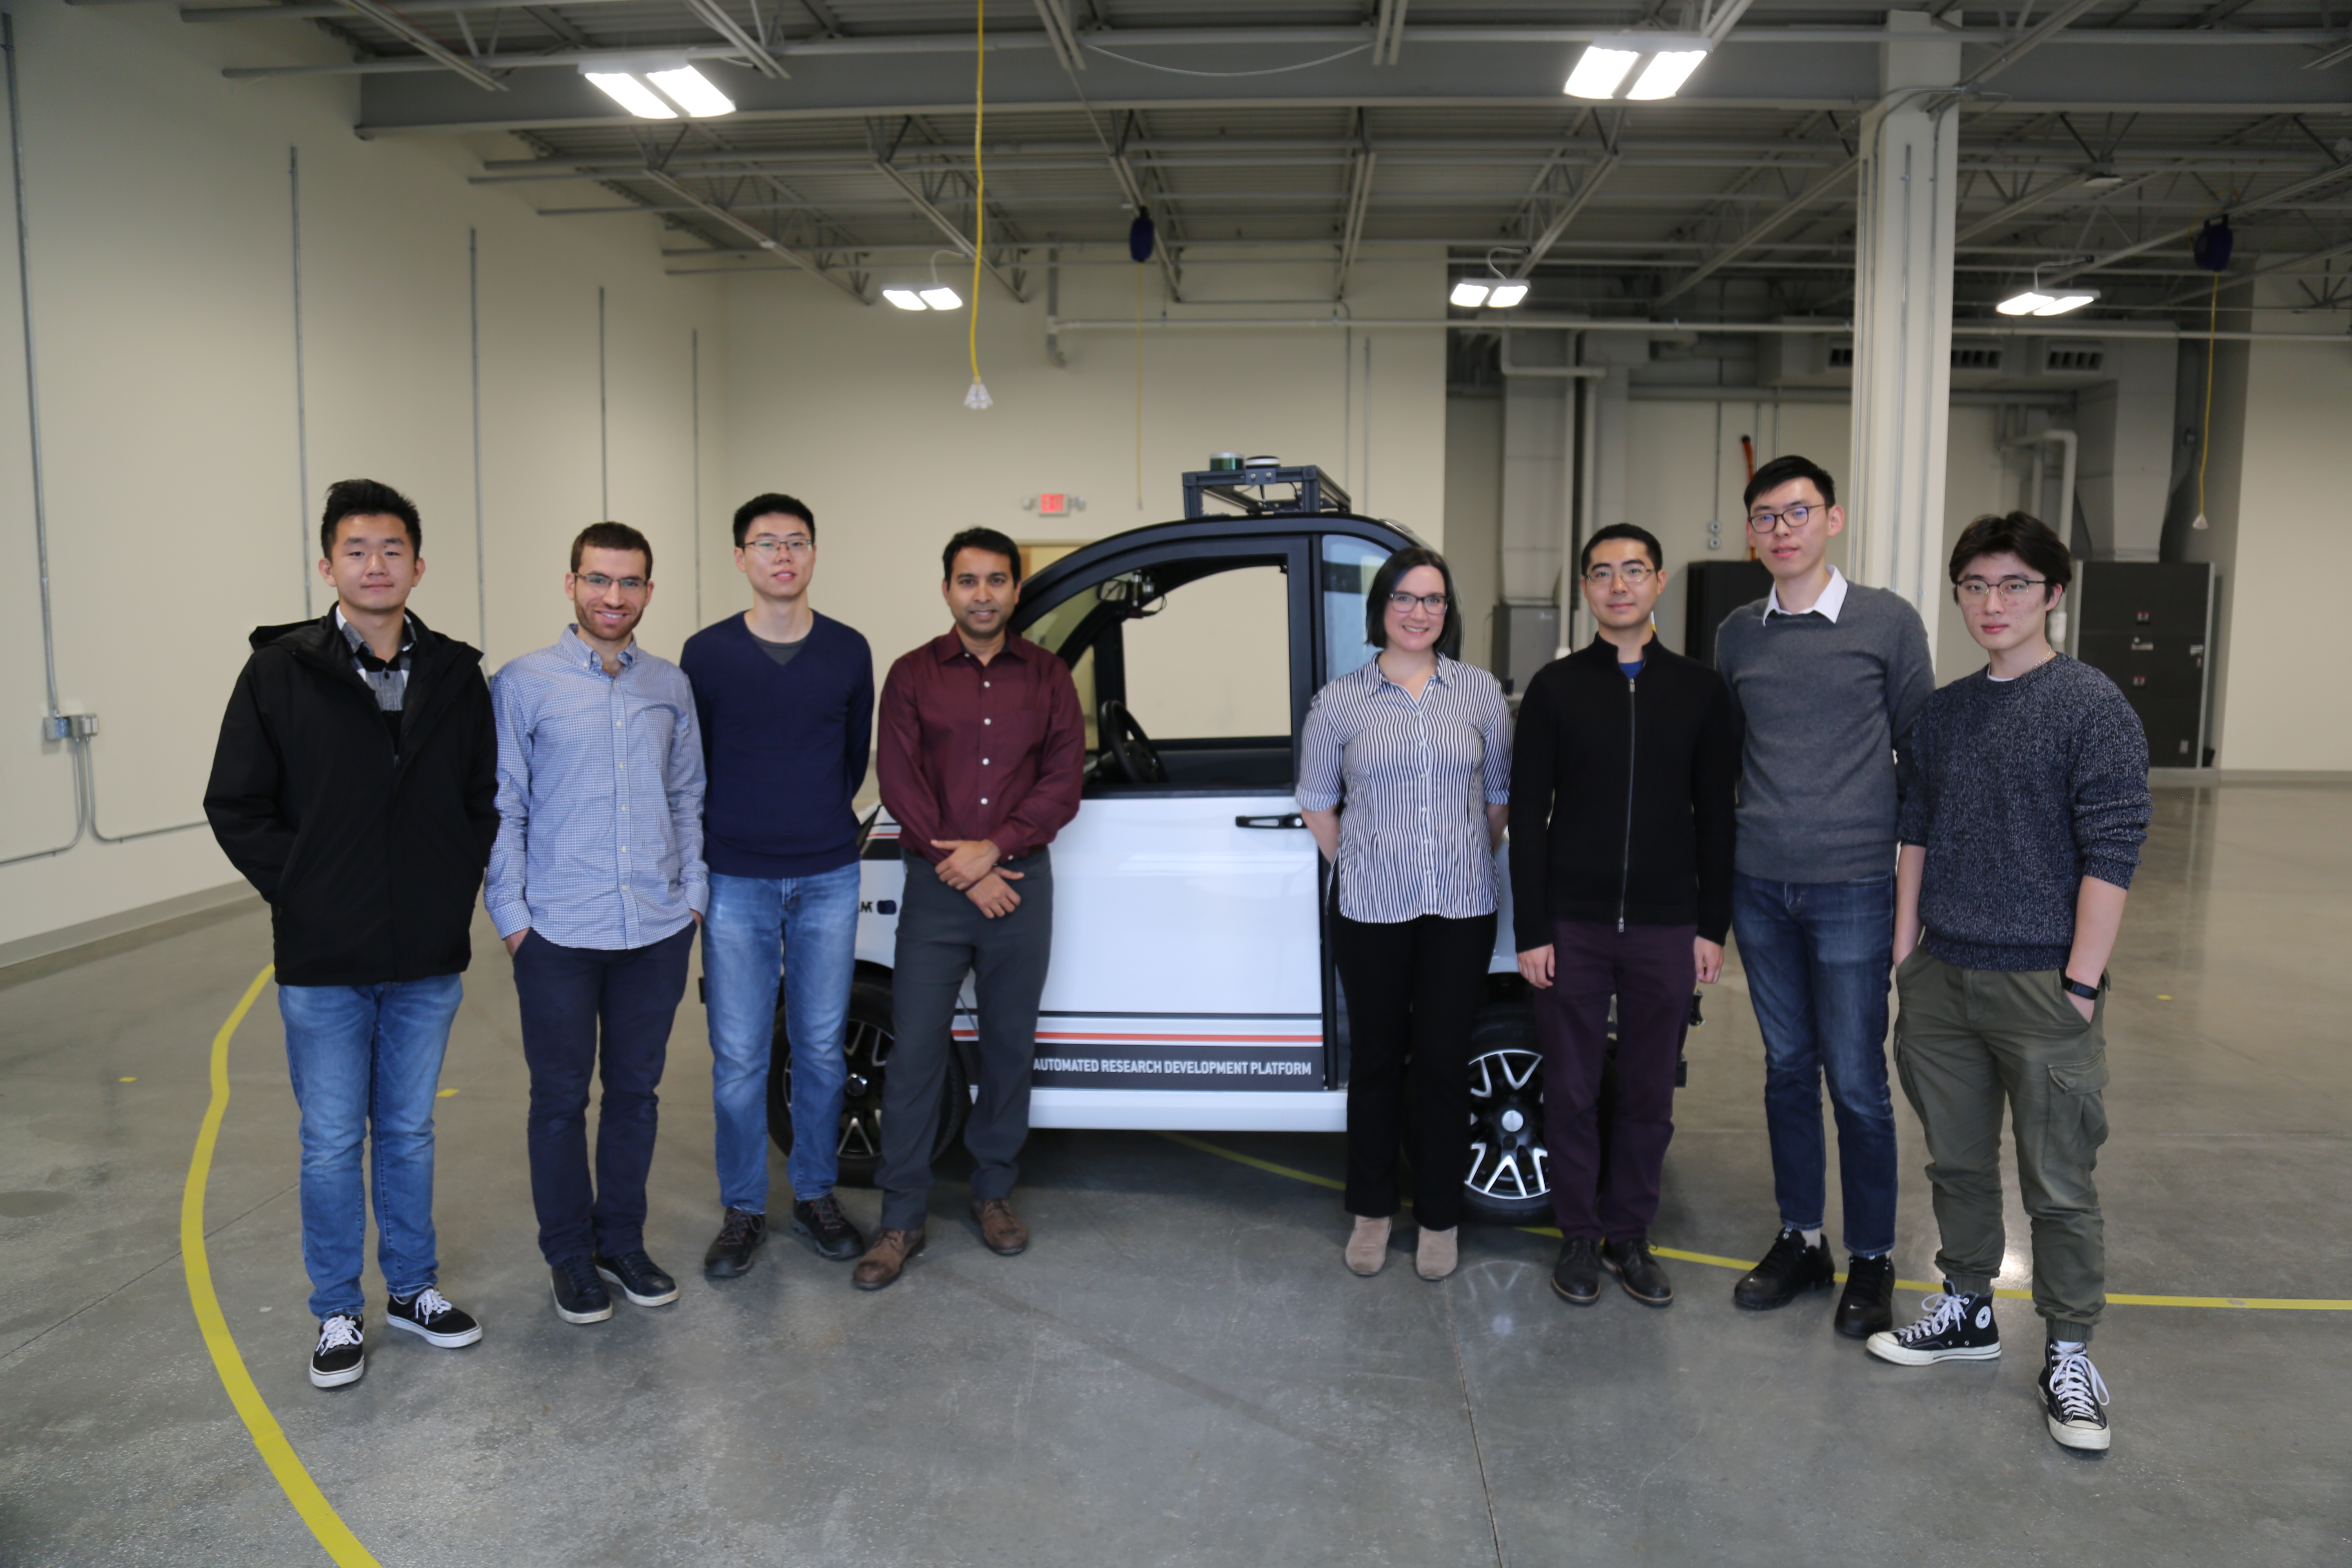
x=1412, y=991
x=566, y=993
x=942, y=937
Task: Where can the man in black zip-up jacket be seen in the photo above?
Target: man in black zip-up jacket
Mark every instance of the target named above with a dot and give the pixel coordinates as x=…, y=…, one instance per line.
x=1623, y=779
x=355, y=785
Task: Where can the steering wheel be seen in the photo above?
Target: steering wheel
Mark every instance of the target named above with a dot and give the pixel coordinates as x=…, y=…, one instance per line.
x=1125, y=744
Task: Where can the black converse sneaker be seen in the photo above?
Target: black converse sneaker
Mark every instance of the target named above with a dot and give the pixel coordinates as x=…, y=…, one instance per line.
x=342, y=1357
x=2071, y=1394
x=429, y=1316
x=1957, y=1326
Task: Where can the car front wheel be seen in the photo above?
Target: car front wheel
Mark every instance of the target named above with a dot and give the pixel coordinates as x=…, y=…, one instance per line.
x=1510, y=1173
x=866, y=1043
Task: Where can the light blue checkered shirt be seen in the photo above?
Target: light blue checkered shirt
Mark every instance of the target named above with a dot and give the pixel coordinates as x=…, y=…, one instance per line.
x=600, y=799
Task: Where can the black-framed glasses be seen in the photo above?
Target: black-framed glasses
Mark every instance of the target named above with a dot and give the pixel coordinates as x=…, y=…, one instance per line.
x=1632, y=573
x=1796, y=517
x=2010, y=589
x=1434, y=602
x=768, y=544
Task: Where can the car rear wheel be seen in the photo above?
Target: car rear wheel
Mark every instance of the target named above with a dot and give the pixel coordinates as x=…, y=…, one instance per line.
x=866, y=1042
x=1510, y=1173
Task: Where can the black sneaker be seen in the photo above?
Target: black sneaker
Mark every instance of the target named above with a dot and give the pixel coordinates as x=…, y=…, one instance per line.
x=342, y=1355
x=1637, y=1271
x=1956, y=1327
x=820, y=1224
x=1867, y=1307
x=641, y=1279
x=2073, y=1392
x=429, y=1316
x=580, y=1296
x=1788, y=1270
x=740, y=1235
x=1576, y=1275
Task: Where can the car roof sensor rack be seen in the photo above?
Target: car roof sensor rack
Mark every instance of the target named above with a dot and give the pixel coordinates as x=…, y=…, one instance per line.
x=1307, y=492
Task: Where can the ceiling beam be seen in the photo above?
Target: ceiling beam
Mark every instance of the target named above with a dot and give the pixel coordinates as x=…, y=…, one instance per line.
x=758, y=236
x=714, y=16
x=1359, y=202
x=2283, y=195
x=2047, y=28
x=1543, y=242
x=1833, y=181
x=2296, y=263
x=946, y=226
x=434, y=49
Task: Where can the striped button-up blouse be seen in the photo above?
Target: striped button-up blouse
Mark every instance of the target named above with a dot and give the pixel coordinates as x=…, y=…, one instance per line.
x=1417, y=776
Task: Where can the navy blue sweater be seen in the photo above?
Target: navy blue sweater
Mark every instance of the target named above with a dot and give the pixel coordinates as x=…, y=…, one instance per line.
x=786, y=748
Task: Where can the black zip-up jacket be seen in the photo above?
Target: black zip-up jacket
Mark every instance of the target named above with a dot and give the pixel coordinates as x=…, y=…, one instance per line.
x=1622, y=794
x=370, y=861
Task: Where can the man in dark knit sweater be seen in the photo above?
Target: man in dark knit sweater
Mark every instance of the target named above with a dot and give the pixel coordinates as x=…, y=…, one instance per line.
x=785, y=699
x=1622, y=774
x=2020, y=830
x=1829, y=675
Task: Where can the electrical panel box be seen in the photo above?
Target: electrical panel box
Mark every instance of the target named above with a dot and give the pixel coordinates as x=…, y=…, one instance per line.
x=1712, y=590
x=1525, y=636
x=2147, y=625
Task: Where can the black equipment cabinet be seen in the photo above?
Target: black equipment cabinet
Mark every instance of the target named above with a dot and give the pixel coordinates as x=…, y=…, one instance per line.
x=1712, y=590
x=2147, y=625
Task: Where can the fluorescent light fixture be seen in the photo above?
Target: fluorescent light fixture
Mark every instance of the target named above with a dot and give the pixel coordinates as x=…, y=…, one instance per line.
x=1666, y=73
x=1468, y=294
x=1598, y=71
x=2057, y=302
x=940, y=297
x=692, y=91
x=1507, y=295
x=631, y=94
x=905, y=298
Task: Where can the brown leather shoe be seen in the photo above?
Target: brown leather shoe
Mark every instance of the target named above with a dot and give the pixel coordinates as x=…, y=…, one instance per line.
x=885, y=1258
x=1000, y=1230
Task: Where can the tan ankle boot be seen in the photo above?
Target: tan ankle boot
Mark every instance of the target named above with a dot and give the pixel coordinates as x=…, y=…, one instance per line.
x=1436, y=1257
x=1368, y=1247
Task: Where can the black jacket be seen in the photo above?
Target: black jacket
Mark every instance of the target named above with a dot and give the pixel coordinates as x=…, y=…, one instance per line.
x=371, y=862
x=1622, y=794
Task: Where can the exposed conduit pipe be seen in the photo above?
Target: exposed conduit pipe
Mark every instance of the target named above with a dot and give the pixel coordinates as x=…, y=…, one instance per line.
x=2072, y=443
x=1439, y=323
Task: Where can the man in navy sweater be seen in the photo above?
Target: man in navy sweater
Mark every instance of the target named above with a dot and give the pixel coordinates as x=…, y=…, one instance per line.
x=785, y=700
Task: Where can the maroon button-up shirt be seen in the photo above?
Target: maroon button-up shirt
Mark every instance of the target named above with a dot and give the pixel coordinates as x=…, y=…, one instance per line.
x=973, y=750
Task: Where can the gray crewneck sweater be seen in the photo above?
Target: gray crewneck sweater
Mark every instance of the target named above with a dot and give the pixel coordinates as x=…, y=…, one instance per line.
x=1826, y=702
x=2019, y=789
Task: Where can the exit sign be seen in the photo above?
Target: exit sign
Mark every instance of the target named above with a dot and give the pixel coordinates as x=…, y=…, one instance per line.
x=1053, y=505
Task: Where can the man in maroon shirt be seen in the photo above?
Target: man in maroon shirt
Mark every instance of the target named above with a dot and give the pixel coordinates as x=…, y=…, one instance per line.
x=981, y=750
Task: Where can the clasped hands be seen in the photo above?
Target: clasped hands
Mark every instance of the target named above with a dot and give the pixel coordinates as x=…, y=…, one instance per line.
x=970, y=866
x=1535, y=964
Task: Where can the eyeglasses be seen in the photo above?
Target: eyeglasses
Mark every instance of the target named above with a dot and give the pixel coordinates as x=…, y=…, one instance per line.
x=1434, y=602
x=2010, y=589
x=1796, y=517
x=1632, y=573
x=767, y=544
x=599, y=581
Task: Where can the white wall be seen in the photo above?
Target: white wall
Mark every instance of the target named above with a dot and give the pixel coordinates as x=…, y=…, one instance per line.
x=860, y=412
x=162, y=276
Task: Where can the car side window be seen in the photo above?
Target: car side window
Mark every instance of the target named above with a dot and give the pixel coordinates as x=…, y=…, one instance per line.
x=1208, y=660
x=1344, y=575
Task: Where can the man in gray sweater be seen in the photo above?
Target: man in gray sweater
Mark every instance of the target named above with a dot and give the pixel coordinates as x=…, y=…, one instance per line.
x=2027, y=805
x=1829, y=676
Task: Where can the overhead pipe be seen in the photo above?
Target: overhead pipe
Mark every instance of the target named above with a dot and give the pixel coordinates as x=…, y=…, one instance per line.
x=1670, y=326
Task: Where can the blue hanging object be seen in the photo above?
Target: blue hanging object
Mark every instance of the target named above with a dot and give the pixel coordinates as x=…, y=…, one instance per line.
x=2211, y=247
x=1141, y=237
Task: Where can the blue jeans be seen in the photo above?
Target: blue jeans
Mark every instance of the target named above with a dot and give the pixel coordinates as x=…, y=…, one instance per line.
x=813, y=922
x=1817, y=957
x=366, y=1060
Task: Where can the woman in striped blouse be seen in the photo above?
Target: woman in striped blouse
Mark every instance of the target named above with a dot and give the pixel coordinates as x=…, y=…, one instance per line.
x=1418, y=745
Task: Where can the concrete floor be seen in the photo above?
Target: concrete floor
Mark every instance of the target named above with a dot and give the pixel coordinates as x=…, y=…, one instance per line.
x=1180, y=1371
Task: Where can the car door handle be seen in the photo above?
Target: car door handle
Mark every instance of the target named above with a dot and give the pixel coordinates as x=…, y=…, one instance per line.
x=1290, y=819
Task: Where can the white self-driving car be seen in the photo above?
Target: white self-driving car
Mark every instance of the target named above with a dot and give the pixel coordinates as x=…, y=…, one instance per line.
x=1192, y=984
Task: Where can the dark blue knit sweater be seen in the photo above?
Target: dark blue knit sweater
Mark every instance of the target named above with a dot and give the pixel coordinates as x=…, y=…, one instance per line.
x=2018, y=790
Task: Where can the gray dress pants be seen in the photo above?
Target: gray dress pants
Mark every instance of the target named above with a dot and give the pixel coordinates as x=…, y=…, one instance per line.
x=942, y=937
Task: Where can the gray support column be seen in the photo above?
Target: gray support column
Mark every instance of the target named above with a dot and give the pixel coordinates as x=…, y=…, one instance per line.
x=1903, y=318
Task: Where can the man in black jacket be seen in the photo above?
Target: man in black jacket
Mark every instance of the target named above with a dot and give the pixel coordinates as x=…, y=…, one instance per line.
x=355, y=784
x=1621, y=790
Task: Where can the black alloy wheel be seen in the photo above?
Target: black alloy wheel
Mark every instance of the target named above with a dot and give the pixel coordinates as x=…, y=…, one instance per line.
x=866, y=1042
x=1510, y=1173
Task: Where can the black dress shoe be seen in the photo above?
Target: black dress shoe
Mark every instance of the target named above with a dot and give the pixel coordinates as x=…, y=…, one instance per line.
x=820, y=1222
x=740, y=1235
x=1788, y=1271
x=1637, y=1271
x=1576, y=1275
x=1868, y=1305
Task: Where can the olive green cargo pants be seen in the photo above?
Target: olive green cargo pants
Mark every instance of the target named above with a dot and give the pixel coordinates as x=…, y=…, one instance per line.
x=1969, y=1042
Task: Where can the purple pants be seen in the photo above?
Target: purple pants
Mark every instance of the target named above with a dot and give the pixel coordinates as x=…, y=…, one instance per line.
x=1650, y=971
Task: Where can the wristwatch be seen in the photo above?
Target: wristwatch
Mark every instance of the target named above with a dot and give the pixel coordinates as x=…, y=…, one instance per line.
x=2074, y=987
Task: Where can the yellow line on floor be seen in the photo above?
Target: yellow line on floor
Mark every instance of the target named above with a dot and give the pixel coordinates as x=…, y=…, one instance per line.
x=301, y=1490
x=2260, y=1303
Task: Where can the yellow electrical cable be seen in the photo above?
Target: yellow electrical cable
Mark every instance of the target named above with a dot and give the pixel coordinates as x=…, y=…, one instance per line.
x=2205, y=428
x=979, y=177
